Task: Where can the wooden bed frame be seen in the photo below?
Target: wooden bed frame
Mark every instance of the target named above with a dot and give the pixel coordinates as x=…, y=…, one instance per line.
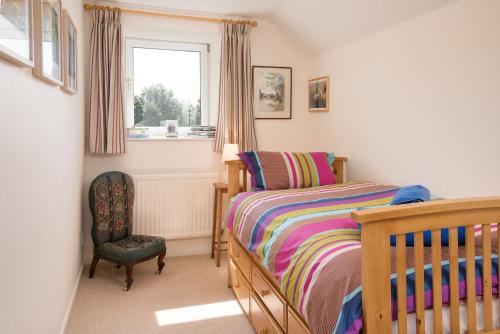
x=259, y=295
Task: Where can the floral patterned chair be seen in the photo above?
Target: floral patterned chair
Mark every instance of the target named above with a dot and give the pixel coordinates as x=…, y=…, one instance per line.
x=111, y=200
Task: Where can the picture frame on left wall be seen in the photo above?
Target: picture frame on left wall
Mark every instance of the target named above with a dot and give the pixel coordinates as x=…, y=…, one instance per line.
x=47, y=19
x=69, y=59
x=16, y=31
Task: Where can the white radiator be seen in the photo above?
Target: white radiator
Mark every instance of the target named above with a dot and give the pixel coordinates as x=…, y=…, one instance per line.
x=174, y=206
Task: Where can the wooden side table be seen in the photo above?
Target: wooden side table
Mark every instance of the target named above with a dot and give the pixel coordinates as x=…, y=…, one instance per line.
x=217, y=230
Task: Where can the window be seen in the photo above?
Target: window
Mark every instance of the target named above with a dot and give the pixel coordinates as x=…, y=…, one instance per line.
x=166, y=81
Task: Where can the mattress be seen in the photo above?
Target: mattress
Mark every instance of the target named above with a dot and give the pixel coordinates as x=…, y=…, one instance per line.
x=306, y=239
x=446, y=319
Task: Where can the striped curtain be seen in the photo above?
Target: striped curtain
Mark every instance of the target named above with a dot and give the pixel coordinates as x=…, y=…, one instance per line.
x=106, y=123
x=235, y=124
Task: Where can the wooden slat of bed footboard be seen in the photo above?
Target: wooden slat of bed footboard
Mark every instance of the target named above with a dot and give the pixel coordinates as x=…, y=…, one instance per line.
x=437, y=296
x=401, y=282
x=454, y=306
x=487, y=288
x=470, y=278
x=419, y=282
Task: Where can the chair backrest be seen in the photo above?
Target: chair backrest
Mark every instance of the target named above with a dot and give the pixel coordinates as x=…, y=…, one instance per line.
x=111, y=201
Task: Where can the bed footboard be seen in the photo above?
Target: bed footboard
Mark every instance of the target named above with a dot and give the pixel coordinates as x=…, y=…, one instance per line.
x=377, y=225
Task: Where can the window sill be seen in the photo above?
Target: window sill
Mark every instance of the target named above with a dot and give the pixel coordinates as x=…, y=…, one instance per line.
x=170, y=139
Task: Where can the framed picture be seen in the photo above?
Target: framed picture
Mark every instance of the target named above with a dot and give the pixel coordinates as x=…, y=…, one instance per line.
x=319, y=94
x=69, y=54
x=272, y=92
x=47, y=41
x=16, y=31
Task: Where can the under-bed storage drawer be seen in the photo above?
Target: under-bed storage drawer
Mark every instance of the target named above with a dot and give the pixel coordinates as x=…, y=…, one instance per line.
x=240, y=288
x=262, y=321
x=295, y=324
x=241, y=258
x=269, y=296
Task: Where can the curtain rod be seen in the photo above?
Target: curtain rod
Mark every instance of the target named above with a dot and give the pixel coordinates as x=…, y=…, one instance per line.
x=88, y=6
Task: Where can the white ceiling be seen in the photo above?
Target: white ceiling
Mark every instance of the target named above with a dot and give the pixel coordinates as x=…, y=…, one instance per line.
x=245, y=8
x=314, y=25
x=319, y=25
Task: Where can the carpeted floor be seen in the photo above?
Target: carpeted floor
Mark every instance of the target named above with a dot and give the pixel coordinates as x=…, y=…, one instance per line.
x=190, y=296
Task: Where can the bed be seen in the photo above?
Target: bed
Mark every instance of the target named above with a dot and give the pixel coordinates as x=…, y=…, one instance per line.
x=298, y=259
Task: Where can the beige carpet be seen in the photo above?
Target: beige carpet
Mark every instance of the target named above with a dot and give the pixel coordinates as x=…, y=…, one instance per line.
x=190, y=296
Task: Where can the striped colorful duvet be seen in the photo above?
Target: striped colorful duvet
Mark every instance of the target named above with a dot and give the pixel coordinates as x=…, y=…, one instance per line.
x=306, y=239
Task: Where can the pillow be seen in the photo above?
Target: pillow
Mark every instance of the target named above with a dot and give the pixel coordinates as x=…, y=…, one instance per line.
x=415, y=194
x=411, y=194
x=284, y=170
x=428, y=238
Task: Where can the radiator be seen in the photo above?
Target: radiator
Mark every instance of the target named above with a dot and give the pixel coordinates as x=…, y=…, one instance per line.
x=174, y=206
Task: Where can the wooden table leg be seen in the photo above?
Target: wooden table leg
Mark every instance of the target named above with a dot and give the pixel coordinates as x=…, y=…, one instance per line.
x=214, y=223
x=218, y=226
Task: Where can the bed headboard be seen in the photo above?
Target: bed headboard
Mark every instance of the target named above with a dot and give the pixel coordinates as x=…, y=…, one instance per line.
x=237, y=174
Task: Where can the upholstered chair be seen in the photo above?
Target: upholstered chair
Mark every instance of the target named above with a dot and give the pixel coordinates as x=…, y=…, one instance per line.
x=111, y=200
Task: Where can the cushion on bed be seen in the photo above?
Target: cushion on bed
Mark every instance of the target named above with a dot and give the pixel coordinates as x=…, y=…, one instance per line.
x=416, y=194
x=411, y=194
x=428, y=238
x=284, y=170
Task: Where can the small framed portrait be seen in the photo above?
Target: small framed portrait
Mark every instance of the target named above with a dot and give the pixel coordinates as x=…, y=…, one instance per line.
x=272, y=92
x=47, y=41
x=69, y=54
x=16, y=31
x=319, y=94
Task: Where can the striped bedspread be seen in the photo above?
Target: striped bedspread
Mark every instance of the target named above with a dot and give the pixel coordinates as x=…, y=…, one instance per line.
x=306, y=239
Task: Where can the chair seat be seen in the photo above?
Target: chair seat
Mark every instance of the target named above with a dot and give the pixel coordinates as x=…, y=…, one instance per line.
x=131, y=249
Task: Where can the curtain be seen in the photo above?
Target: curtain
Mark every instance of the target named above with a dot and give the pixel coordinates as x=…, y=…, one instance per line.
x=235, y=124
x=106, y=123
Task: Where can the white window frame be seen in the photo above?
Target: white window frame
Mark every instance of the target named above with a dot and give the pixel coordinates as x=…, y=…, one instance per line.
x=131, y=43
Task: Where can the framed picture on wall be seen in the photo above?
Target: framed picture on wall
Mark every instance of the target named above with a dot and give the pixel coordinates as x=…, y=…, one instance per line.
x=272, y=92
x=47, y=41
x=319, y=94
x=69, y=54
x=16, y=31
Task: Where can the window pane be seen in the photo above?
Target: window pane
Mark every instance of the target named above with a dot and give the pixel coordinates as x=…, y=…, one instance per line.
x=166, y=87
x=15, y=26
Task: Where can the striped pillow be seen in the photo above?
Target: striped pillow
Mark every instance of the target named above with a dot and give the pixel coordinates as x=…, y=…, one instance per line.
x=284, y=170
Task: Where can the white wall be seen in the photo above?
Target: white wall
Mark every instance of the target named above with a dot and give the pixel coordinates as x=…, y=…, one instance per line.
x=420, y=102
x=41, y=149
x=269, y=47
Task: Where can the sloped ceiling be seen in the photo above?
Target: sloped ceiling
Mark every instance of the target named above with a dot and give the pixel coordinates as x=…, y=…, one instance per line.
x=313, y=25
x=320, y=25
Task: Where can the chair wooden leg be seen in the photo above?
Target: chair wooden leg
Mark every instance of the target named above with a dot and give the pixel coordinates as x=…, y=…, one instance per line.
x=129, y=278
x=161, y=264
x=95, y=259
x=118, y=266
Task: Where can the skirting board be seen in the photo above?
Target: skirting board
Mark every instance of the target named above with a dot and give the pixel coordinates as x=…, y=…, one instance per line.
x=71, y=302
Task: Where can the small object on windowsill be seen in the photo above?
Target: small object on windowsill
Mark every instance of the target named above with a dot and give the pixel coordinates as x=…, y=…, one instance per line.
x=171, y=126
x=138, y=133
x=202, y=132
x=200, y=135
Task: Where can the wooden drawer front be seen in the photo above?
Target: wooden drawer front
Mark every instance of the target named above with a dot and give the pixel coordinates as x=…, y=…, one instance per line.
x=295, y=324
x=269, y=296
x=240, y=288
x=261, y=320
x=241, y=258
